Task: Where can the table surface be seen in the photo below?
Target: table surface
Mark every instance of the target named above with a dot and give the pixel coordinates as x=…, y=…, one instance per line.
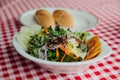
x=13, y=66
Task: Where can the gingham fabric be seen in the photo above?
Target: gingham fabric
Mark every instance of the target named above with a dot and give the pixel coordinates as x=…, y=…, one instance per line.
x=15, y=67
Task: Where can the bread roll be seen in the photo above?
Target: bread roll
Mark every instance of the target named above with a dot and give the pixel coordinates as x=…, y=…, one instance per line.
x=63, y=18
x=44, y=18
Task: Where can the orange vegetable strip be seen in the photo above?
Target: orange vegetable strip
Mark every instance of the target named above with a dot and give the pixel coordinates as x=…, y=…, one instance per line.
x=62, y=48
x=93, y=48
x=66, y=50
x=96, y=49
x=97, y=45
x=63, y=57
x=57, y=53
x=92, y=55
x=96, y=38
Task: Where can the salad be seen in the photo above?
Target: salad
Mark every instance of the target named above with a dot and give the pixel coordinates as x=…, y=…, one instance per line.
x=59, y=45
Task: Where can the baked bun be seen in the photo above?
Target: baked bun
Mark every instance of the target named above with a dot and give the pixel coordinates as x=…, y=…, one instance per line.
x=63, y=18
x=44, y=18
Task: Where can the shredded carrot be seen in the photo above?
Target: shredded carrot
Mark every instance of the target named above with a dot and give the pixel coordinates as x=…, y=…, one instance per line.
x=57, y=53
x=63, y=57
x=66, y=50
x=62, y=48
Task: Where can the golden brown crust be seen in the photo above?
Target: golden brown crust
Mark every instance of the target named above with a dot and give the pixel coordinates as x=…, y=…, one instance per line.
x=63, y=18
x=44, y=18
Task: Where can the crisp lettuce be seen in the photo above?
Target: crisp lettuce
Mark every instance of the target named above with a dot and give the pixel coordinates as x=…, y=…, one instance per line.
x=81, y=35
x=23, y=36
x=74, y=47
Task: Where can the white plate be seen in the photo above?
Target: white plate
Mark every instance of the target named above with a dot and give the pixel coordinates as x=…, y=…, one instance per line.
x=82, y=20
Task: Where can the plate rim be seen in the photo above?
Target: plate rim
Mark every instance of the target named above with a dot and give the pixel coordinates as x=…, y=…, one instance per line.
x=95, y=17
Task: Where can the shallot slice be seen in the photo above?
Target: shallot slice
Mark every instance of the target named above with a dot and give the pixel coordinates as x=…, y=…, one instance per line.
x=41, y=54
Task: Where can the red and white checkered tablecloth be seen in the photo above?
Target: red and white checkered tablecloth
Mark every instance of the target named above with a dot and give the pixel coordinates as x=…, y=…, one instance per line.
x=13, y=66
